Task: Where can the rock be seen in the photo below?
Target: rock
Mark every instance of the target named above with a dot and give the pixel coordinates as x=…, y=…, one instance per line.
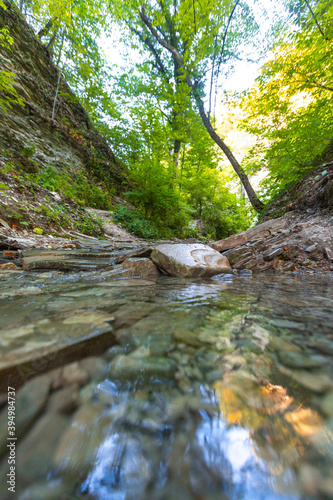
x=65, y=400
x=8, y=265
x=78, y=445
x=315, y=382
x=327, y=404
x=296, y=360
x=96, y=367
x=266, y=228
x=35, y=453
x=187, y=337
x=134, y=364
x=140, y=252
x=73, y=373
x=4, y=224
x=233, y=241
x=329, y=253
x=30, y=401
x=129, y=314
x=85, y=333
x=190, y=261
x=65, y=260
x=144, y=268
x=275, y=253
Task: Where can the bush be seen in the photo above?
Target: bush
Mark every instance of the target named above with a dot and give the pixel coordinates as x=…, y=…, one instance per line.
x=90, y=225
x=76, y=187
x=135, y=223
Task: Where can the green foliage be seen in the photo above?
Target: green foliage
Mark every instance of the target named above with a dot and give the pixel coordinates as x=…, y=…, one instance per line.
x=290, y=108
x=135, y=223
x=90, y=225
x=58, y=215
x=75, y=186
x=71, y=32
x=8, y=93
x=29, y=150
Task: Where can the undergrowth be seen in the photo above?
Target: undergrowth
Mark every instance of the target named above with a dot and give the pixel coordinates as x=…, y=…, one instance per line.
x=134, y=222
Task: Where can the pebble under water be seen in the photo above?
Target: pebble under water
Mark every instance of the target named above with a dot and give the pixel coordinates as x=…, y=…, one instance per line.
x=211, y=389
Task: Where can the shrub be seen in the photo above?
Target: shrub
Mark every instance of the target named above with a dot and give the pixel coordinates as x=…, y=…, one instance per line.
x=135, y=223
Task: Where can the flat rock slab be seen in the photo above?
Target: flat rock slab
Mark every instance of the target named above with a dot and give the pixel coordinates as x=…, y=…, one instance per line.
x=48, y=343
x=190, y=261
x=260, y=231
x=65, y=260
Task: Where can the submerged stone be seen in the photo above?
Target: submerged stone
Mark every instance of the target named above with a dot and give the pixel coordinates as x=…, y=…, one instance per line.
x=190, y=261
x=42, y=439
x=30, y=400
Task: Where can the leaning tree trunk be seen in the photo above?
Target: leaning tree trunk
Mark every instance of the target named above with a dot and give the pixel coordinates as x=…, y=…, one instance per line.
x=254, y=200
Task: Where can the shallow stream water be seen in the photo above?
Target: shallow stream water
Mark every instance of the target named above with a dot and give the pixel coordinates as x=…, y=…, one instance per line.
x=216, y=389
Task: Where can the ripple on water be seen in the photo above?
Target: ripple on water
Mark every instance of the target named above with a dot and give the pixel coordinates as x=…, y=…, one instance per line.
x=218, y=388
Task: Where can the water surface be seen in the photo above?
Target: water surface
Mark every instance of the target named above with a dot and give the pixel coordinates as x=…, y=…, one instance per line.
x=216, y=389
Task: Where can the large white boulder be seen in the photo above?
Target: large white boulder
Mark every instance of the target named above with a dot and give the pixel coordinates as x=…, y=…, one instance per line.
x=190, y=261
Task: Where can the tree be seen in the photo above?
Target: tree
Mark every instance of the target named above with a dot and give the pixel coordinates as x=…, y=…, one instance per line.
x=70, y=31
x=196, y=35
x=290, y=108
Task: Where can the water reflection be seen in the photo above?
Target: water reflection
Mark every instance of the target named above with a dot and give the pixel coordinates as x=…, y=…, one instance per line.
x=217, y=388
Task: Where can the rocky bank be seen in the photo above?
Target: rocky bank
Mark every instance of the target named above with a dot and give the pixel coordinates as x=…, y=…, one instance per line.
x=30, y=140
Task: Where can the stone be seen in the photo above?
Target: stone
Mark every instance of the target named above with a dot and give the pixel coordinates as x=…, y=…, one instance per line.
x=266, y=228
x=132, y=365
x=30, y=401
x=329, y=253
x=297, y=360
x=190, y=261
x=73, y=373
x=96, y=367
x=85, y=333
x=275, y=253
x=327, y=404
x=65, y=400
x=4, y=224
x=187, y=337
x=35, y=452
x=66, y=261
x=313, y=381
x=140, y=252
x=144, y=268
x=8, y=265
x=77, y=447
x=233, y=241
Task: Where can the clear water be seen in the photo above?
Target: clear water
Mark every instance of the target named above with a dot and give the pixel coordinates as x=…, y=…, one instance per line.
x=216, y=389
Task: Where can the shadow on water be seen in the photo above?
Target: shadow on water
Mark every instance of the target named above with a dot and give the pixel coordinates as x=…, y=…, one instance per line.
x=214, y=389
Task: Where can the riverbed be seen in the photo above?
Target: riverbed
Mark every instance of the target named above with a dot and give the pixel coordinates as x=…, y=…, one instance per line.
x=216, y=388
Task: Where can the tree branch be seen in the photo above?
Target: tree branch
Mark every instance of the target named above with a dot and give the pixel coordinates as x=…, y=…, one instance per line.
x=151, y=47
x=223, y=47
x=316, y=21
x=166, y=45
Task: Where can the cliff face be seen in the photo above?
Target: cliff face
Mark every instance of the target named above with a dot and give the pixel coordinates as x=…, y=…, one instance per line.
x=29, y=138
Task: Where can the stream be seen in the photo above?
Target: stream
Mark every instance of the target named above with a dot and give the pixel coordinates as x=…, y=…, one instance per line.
x=205, y=389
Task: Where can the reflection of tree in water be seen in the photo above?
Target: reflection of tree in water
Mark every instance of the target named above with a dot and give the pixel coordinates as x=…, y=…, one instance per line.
x=281, y=430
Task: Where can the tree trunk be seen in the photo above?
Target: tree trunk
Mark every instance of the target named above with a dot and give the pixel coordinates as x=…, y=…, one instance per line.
x=175, y=157
x=45, y=31
x=253, y=198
